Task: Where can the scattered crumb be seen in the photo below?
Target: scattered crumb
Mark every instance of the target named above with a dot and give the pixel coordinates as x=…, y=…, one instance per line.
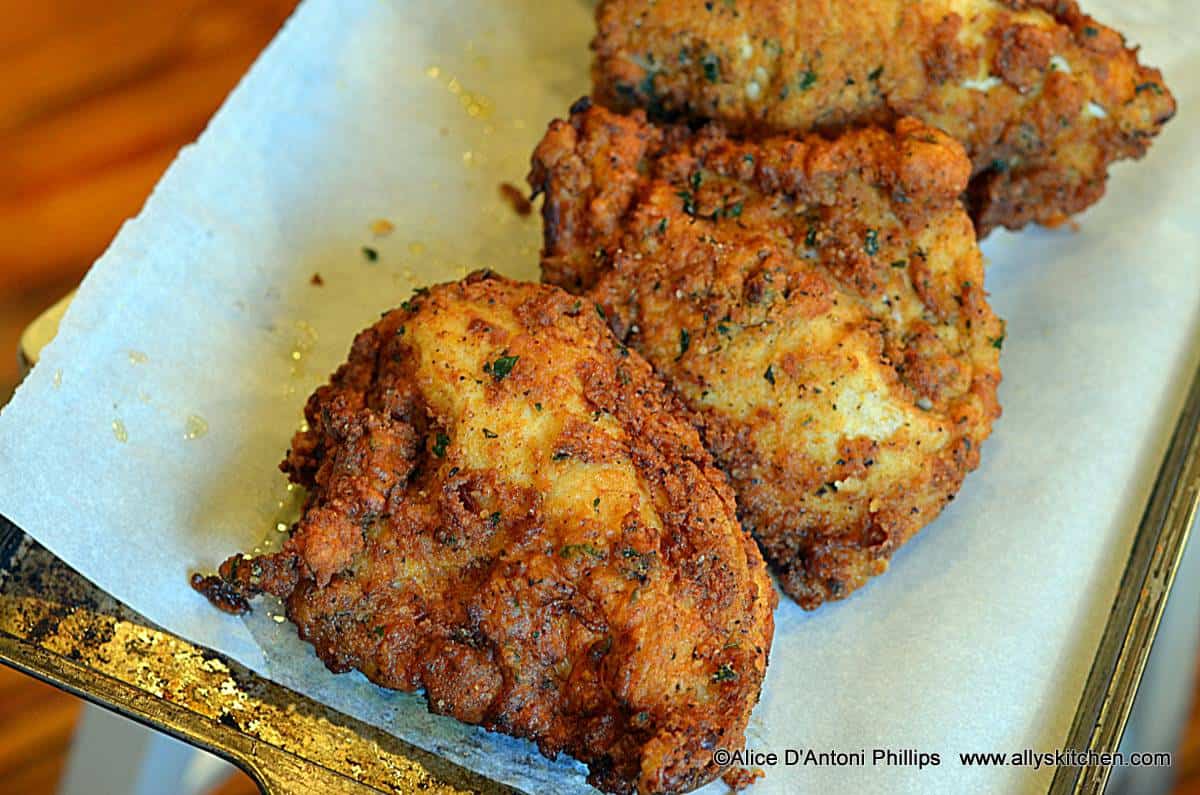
x=316, y=280
x=371, y=254
x=738, y=778
x=515, y=198
x=137, y=357
x=381, y=227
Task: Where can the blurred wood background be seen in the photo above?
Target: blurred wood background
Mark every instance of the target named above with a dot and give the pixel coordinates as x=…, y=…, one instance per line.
x=96, y=99
x=97, y=96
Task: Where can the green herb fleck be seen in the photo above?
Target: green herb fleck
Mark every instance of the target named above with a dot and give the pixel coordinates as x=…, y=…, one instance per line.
x=725, y=673
x=1091, y=32
x=734, y=210
x=379, y=630
x=997, y=342
x=494, y=518
x=810, y=239
x=712, y=67
x=574, y=550
x=537, y=406
x=1151, y=86
x=696, y=180
x=490, y=434
x=749, y=159
x=440, y=444
x=685, y=342
x=689, y=201
x=501, y=367
x=999, y=166
x=770, y=374
x=370, y=253
x=900, y=263
x=662, y=225
x=871, y=243
x=807, y=80
x=600, y=312
x=875, y=73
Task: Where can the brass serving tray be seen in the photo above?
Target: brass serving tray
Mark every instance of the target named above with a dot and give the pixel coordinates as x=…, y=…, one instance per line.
x=58, y=627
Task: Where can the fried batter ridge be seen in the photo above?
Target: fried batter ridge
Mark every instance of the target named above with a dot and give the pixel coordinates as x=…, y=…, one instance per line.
x=1043, y=97
x=505, y=511
x=817, y=305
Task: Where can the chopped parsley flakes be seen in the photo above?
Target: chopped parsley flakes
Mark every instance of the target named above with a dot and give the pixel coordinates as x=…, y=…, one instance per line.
x=440, y=444
x=501, y=367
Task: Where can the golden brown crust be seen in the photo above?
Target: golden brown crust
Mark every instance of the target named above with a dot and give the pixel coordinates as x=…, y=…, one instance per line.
x=505, y=511
x=1042, y=96
x=817, y=304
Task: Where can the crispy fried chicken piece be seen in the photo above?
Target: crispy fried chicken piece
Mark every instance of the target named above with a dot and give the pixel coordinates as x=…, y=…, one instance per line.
x=818, y=305
x=505, y=511
x=1042, y=96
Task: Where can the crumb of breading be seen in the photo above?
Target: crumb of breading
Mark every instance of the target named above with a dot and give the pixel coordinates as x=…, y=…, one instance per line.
x=516, y=199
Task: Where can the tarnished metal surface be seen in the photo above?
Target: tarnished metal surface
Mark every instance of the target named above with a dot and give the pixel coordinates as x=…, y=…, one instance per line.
x=56, y=625
x=1129, y=633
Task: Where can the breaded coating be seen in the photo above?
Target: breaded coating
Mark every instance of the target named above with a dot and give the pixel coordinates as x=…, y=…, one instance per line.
x=505, y=510
x=818, y=305
x=1042, y=96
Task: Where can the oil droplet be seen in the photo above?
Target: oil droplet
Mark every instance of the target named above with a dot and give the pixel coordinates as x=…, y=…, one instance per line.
x=281, y=527
x=194, y=427
x=58, y=378
x=416, y=249
x=137, y=357
x=304, y=427
x=278, y=619
x=118, y=429
x=306, y=336
x=381, y=227
x=454, y=87
x=305, y=340
x=433, y=72
x=476, y=105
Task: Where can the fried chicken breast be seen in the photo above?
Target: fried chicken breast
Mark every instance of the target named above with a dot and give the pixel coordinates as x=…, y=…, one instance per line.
x=818, y=305
x=1042, y=96
x=504, y=510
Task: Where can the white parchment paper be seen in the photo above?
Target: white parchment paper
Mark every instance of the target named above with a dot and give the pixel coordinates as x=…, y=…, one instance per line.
x=201, y=322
